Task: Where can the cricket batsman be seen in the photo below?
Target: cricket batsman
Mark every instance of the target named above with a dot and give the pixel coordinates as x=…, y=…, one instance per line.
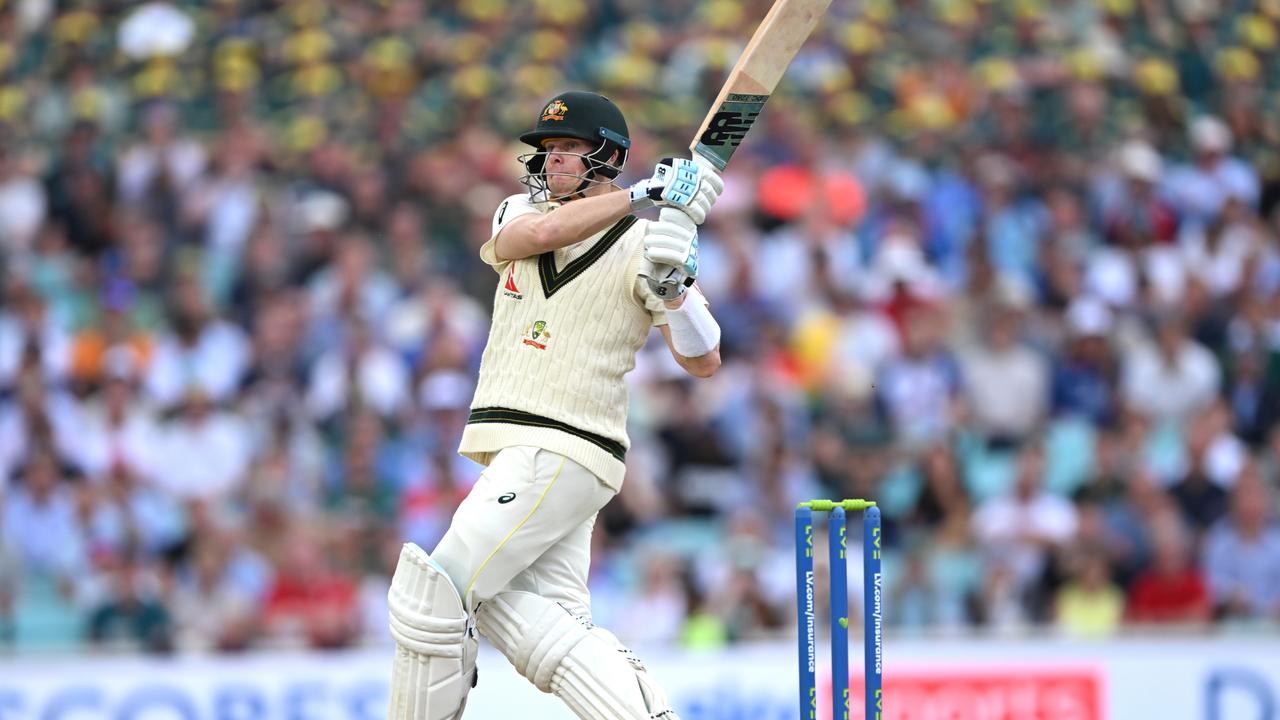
x=580, y=282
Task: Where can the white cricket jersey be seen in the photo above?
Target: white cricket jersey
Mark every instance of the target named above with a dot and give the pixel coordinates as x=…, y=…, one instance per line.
x=566, y=328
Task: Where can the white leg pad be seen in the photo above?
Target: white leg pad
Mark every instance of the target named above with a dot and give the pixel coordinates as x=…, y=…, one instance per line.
x=585, y=666
x=435, y=661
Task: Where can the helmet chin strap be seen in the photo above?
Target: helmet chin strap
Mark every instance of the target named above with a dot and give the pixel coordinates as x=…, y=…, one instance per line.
x=581, y=192
x=577, y=193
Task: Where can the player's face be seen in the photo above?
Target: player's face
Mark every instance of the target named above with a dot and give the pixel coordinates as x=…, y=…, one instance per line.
x=564, y=164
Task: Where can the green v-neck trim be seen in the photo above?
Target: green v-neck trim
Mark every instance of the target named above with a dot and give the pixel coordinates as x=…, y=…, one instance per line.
x=553, y=279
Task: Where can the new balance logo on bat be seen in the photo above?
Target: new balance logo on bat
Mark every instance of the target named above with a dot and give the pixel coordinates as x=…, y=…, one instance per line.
x=728, y=127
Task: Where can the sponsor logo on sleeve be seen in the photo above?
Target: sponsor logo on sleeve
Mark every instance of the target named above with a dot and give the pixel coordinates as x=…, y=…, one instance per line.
x=509, y=288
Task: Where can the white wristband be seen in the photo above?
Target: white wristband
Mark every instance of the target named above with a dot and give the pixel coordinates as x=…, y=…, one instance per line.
x=694, y=332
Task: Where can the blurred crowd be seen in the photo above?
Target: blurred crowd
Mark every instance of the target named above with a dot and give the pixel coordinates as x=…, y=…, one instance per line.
x=1009, y=267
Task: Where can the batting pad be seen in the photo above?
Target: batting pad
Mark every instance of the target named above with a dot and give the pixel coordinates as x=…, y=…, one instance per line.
x=435, y=660
x=581, y=664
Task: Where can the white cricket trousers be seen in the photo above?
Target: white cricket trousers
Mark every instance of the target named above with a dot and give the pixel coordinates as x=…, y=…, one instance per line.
x=526, y=525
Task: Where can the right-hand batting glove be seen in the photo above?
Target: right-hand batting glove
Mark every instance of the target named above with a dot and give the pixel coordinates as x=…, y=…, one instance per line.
x=670, y=254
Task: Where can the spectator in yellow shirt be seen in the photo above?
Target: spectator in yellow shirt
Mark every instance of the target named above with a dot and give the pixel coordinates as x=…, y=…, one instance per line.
x=1090, y=605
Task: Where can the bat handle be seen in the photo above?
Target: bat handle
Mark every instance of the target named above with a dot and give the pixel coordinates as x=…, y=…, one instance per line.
x=700, y=153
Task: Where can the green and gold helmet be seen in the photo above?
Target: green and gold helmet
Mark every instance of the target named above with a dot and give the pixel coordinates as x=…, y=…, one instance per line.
x=585, y=116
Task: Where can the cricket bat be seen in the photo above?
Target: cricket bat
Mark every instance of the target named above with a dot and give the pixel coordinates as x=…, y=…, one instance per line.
x=753, y=79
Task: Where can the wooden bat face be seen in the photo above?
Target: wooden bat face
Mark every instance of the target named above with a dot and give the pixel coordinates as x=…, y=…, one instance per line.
x=757, y=72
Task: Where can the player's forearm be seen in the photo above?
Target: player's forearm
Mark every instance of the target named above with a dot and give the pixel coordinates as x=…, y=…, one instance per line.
x=578, y=220
x=702, y=366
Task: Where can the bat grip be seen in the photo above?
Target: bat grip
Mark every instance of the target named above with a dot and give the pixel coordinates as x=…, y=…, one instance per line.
x=699, y=152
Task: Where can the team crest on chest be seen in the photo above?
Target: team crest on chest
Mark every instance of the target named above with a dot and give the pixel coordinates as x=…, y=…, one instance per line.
x=509, y=287
x=537, y=335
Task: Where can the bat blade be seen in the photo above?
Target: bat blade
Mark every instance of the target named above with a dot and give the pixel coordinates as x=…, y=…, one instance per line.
x=753, y=79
